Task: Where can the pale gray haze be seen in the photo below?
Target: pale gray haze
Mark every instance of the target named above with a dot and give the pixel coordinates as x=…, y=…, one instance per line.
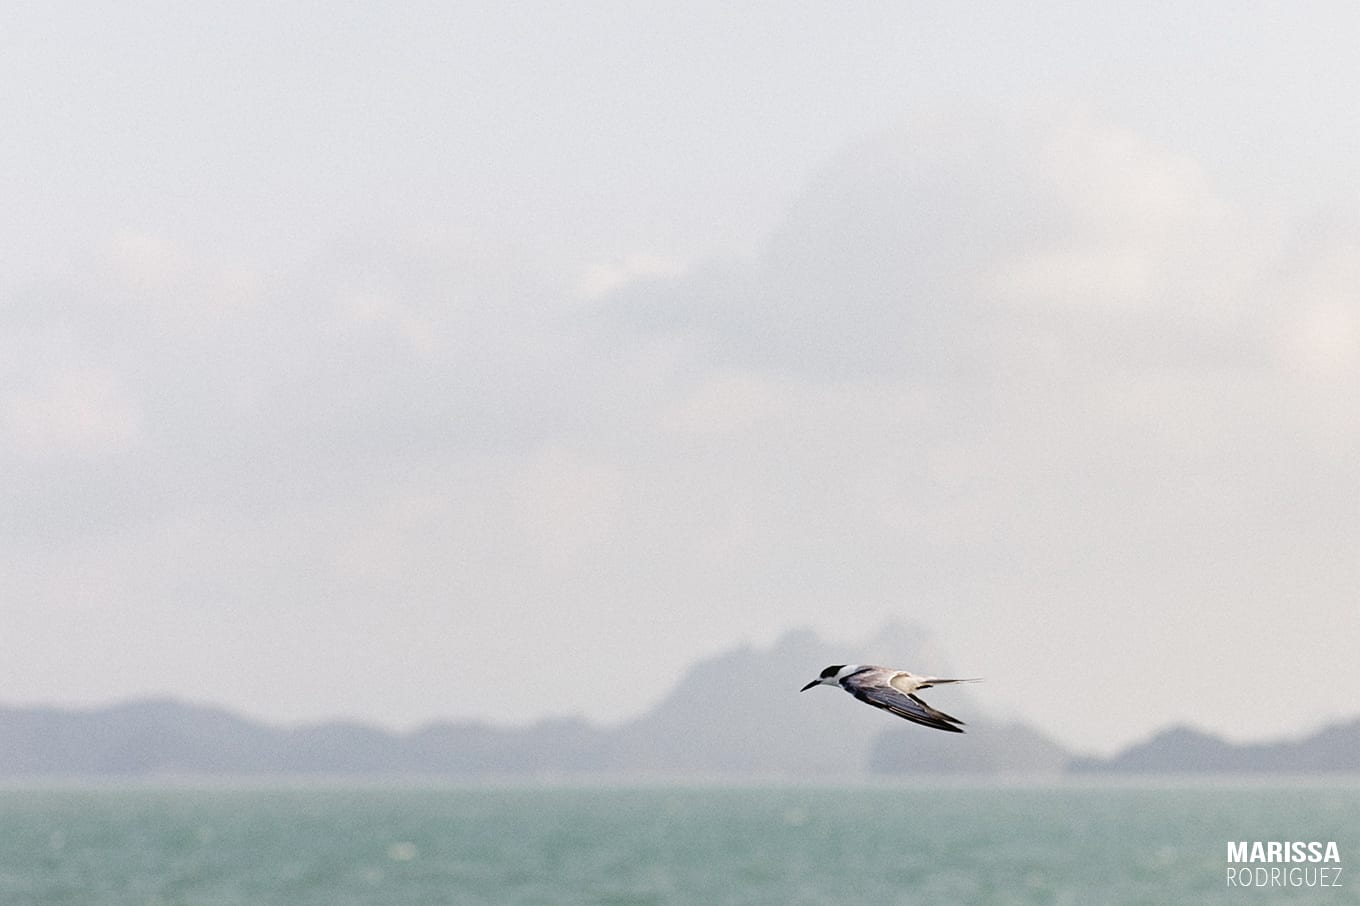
x=414, y=361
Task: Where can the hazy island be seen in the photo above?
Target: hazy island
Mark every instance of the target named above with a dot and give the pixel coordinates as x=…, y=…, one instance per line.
x=699, y=730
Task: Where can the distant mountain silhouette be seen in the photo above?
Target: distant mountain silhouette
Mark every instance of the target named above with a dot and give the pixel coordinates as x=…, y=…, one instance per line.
x=737, y=714
x=740, y=712
x=164, y=737
x=1182, y=750
x=1003, y=749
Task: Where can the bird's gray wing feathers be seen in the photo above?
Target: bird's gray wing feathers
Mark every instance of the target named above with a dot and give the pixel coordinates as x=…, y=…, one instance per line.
x=905, y=706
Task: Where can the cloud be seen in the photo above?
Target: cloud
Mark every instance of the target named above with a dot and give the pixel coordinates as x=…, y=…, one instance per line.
x=1000, y=373
x=146, y=263
x=1318, y=318
x=567, y=506
x=603, y=279
x=959, y=248
x=1034, y=359
x=71, y=414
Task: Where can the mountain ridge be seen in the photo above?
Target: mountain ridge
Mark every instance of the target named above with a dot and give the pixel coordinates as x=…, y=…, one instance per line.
x=1180, y=749
x=721, y=719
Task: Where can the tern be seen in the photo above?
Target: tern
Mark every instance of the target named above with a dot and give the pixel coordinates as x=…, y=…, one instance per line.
x=892, y=690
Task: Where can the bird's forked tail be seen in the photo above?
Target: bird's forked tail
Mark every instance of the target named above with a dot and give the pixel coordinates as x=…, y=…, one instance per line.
x=940, y=681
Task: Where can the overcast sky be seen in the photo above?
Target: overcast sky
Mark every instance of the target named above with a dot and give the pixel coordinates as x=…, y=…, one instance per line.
x=410, y=361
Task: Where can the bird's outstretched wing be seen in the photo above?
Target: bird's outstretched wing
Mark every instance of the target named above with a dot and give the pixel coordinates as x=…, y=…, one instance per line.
x=903, y=705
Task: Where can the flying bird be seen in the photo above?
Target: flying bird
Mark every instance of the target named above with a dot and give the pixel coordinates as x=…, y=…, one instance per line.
x=892, y=690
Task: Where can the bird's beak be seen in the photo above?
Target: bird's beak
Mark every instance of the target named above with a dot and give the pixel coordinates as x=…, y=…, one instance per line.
x=810, y=685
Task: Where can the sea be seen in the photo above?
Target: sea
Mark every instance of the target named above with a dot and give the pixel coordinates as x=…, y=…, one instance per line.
x=556, y=844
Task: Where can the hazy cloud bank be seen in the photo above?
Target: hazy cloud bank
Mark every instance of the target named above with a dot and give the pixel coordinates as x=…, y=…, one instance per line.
x=1030, y=377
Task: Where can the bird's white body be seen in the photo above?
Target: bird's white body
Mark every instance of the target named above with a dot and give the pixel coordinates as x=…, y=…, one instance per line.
x=892, y=690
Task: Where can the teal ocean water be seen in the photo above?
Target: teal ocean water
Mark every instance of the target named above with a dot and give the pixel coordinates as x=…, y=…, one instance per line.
x=337, y=845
